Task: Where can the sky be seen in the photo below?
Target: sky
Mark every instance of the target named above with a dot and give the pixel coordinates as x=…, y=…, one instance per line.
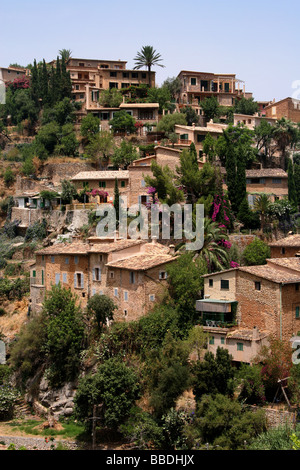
x=257, y=40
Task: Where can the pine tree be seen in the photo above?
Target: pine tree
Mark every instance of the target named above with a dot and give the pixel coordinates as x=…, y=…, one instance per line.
x=116, y=200
x=292, y=195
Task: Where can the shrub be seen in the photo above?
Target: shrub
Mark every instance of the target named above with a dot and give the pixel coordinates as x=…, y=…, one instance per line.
x=256, y=253
x=8, y=398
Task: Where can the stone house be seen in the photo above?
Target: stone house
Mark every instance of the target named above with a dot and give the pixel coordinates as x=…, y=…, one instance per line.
x=285, y=247
x=196, y=134
x=254, y=302
x=132, y=272
x=251, y=121
x=288, y=108
x=196, y=86
x=9, y=74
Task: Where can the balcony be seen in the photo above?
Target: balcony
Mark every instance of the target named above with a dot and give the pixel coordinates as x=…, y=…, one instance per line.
x=217, y=313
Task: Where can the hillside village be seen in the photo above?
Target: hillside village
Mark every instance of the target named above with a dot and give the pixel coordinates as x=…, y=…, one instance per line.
x=173, y=337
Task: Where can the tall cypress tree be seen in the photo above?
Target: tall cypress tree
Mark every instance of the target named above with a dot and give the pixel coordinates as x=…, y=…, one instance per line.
x=292, y=194
x=58, y=80
x=34, y=88
x=117, y=200
x=44, y=84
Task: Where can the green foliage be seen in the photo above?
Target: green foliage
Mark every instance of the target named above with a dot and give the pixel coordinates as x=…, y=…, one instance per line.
x=167, y=122
x=113, y=389
x=211, y=108
x=213, y=375
x=68, y=192
x=110, y=98
x=185, y=284
x=163, y=181
x=9, y=177
x=142, y=430
x=28, y=168
x=124, y=155
x=123, y=122
x=252, y=390
x=65, y=334
x=14, y=289
x=256, y=253
x=8, y=398
x=292, y=193
x=27, y=352
x=36, y=231
x=246, y=106
x=275, y=439
x=100, y=147
x=89, y=126
x=247, y=217
x=101, y=308
x=160, y=95
x=224, y=424
x=190, y=115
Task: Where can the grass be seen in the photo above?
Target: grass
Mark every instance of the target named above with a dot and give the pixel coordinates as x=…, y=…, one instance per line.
x=33, y=427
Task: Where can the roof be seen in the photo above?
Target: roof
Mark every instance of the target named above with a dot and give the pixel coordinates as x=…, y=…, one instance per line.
x=65, y=248
x=142, y=261
x=101, y=175
x=114, y=246
x=208, y=129
x=271, y=274
x=247, y=335
x=219, y=272
x=291, y=240
x=289, y=263
x=139, y=105
x=266, y=172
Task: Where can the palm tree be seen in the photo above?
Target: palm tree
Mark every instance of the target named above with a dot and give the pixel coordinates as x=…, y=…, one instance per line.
x=261, y=205
x=65, y=54
x=147, y=57
x=214, y=250
x=285, y=134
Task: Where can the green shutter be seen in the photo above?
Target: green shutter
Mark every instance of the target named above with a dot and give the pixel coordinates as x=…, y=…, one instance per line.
x=297, y=312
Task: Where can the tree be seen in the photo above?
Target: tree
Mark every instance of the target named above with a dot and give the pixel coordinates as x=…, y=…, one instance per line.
x=209, y=147
x=246, y=106
x=292, y=194
x=101, y=308
x=263, y=134
x=185, y=283
x=65, y=334
x=168, y=122
x=9, y=177
x=214, y=374
x=117, y=200
x=285, y=135
x=101, y=147
x=256, y=253
x=147, y=57
x=89, y=126
x=215, y=246
x=113, y=389
x=261, y=205
x=65, y=54
x=211, y=108
x=160, y=95
x=68, y=191
x=174, y=86
x=110, y=98
x=163, y=183
x=124, y=155
x=190, y=114
x=122, y=122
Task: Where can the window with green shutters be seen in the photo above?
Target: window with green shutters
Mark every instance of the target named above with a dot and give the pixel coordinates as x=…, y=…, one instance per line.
x=222, y=340
x=102, y=184
x=240, y=346
x=297, y=312
x=212, y=340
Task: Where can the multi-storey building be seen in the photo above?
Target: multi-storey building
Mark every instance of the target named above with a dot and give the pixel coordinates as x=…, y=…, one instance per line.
x=9, y=74
x=196, y=86
x=90, y=76
x=288, y=108
x=243, y=306
x=132, y=272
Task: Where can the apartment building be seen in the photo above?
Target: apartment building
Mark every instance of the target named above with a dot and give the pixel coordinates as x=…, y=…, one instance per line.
x=132, y=272
x=243, y=306
x=196, y=86
x=90, y=76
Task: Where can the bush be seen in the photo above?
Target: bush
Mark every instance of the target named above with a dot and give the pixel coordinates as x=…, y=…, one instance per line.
x=9, y=177
x=256, y=253
x=142, y=429
x=8, y=398
x=36, y=231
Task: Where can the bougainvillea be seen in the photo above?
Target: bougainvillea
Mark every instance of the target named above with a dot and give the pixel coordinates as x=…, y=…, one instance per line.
x=221, y=211
x=18, y=83
x=97, y=192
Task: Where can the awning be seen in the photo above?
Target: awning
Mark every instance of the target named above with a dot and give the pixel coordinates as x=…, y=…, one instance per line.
x=212, y=305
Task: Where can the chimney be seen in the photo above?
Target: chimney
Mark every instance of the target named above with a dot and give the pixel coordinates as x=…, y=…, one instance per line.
x=154, y=240
x=255, y=334
x=172, y=249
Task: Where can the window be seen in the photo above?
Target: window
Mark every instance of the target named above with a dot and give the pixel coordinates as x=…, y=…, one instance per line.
x=283, y=251
x=102, y=184
x=297, y=313
x=78, y=280
x=113, y=74
x=144, y=75
x=125, y=313
x=33, y=273
x=101, y=258
x=113, y=85
x=296, y=286
x=193, y=81
x=224, y=284
x=152, y=297
x=64, y=278
x=212, y=340
x=222, y=340
x=93, y=292
x=276, y=180
x=111, y=275
x=125, y=85
x=123, y=184
x=125, y=296
x=240, y=347
x=163, y=275
x=126, y=75
x=143, y=183
x=76, y=259
x=134, y=75
x=257, y=285
x=132, y=277
x=52, y=259
x=116, y=292
x=97, y=274
x=211, y=283
x=66, y=260
x=57, y=278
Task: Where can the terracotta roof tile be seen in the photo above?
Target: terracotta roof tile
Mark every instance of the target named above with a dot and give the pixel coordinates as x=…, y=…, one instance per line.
x=141, y=261
x=271, y=273
x=101, y=175
x=292, y=240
